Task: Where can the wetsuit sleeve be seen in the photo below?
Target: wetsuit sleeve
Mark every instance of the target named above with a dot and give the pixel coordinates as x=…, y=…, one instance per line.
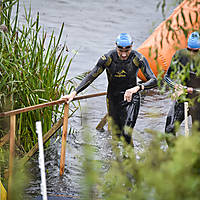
x=167, y=78
x=171, y=71
x=147, y=72
x=95, y=72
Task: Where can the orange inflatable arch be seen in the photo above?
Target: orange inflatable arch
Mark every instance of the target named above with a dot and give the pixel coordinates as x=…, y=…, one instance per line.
x=162, y=43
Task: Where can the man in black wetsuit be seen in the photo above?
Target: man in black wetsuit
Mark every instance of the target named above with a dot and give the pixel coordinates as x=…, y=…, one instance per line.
x=123, y=98
x=185, y=68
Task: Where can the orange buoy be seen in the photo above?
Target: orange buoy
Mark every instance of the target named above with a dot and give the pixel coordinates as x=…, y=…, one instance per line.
x=170, y=36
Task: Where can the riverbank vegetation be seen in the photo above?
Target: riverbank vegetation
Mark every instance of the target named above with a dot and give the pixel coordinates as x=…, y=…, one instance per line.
x=158, y=174
x=33, y=71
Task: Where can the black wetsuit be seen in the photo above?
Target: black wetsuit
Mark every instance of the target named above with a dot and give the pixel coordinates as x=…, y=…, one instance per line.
x=188, y=63
x=122, y=75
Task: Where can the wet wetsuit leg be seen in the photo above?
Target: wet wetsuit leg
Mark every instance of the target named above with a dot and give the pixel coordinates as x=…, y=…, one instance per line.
x=195, y=113
x=114, y=111
x=130, y=117
x=124, y=115
x=176, y=114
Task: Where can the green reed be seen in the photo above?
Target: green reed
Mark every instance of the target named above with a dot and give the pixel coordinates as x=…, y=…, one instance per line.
x=33, y=70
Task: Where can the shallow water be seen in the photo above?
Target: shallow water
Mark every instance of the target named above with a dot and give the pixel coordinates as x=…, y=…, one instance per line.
x=91, y=28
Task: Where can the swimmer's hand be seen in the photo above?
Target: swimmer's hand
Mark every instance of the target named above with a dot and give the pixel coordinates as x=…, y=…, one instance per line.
x=68, y=98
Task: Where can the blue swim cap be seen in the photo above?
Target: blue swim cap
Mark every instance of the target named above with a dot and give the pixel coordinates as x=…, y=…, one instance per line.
x=194, y=40
x=124, y=40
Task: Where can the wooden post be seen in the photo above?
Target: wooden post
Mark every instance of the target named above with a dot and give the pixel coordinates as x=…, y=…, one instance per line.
x=64, y=137
x=102, y=123
x=186, y=119
x=12, y=154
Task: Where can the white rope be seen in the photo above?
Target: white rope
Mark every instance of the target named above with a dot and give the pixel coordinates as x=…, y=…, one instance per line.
x=41, y=160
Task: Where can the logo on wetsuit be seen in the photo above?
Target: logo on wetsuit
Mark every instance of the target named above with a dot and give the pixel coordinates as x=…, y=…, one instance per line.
x=103, y=57
x=120, y=74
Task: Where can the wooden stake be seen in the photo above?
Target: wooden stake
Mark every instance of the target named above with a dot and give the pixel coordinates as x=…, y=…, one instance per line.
x=186, y=119
x=12, y=154
x=64, y=137
x=102, y=123
x=46, y=137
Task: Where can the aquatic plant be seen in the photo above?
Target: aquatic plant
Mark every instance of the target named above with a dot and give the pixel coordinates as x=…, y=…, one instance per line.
x=33, y=70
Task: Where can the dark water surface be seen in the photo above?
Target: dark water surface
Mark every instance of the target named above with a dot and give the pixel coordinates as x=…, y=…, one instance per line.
x=91, y=28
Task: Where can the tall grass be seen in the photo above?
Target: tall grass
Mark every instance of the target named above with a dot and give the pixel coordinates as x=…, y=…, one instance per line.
x=33, y=70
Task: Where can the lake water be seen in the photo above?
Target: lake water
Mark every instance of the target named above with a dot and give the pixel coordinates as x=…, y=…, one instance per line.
x=91, y=27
